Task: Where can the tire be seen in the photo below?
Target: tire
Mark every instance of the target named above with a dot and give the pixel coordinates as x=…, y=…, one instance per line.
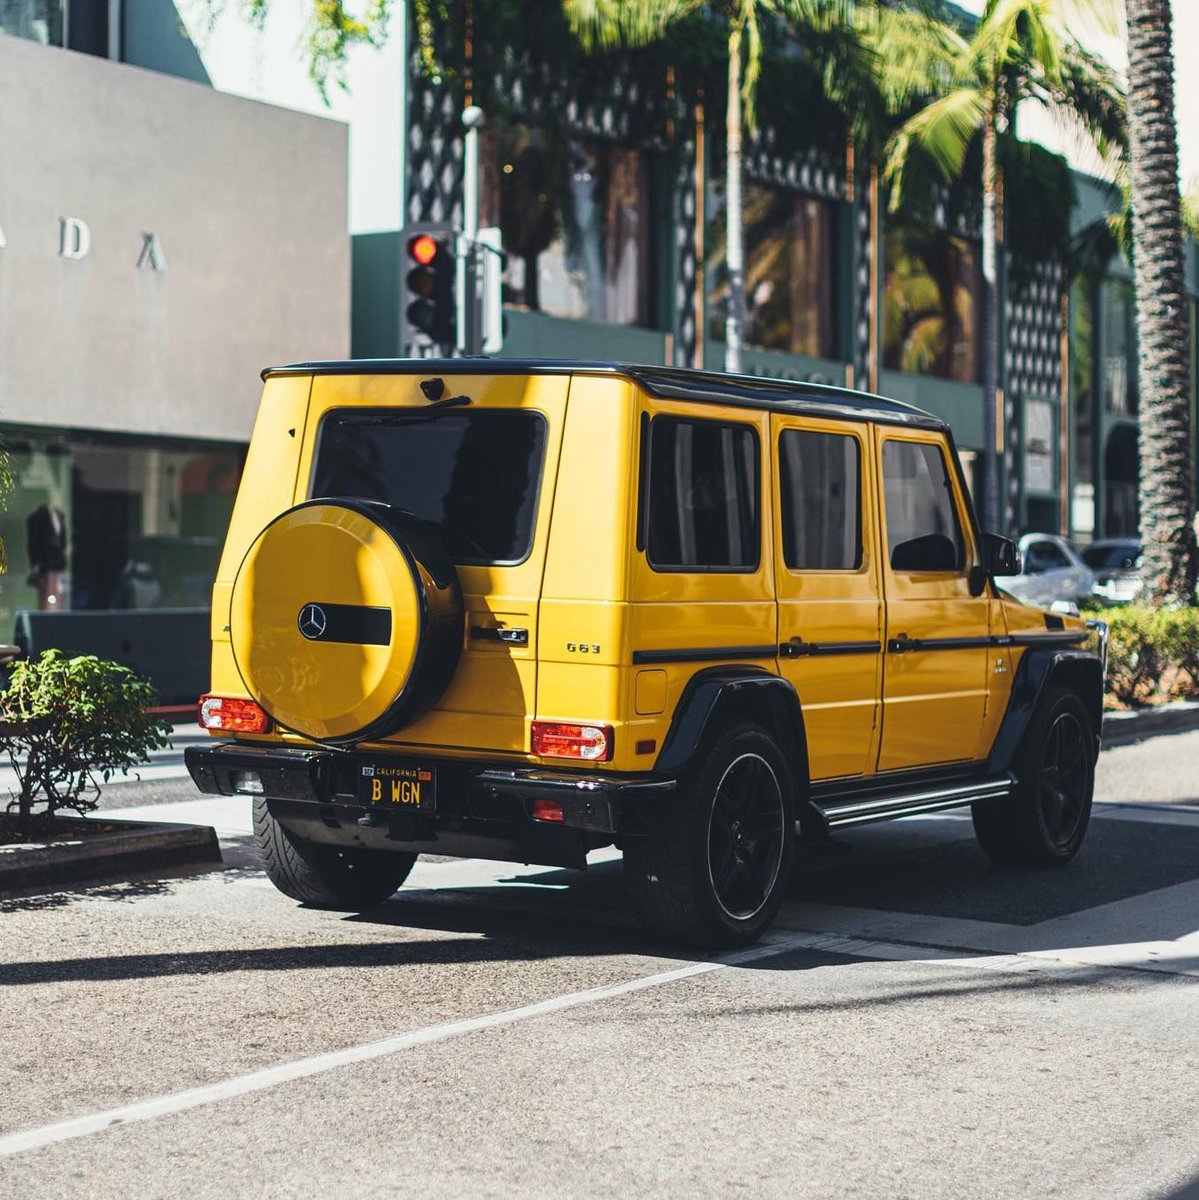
x=1044, y=821
x=346, y=880
x=700, y=877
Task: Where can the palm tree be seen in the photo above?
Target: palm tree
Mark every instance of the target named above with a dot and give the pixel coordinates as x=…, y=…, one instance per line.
x=1020, y=50
x=1167, y=488
x=825, y=28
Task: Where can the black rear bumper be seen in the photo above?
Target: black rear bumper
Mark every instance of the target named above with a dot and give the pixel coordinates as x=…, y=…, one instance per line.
x=481, y=812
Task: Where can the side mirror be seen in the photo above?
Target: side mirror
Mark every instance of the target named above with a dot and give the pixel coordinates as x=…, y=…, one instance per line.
x=1000, y=556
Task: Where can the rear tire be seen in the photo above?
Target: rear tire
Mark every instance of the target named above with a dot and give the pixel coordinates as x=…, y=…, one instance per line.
x=1044, y=821
x=346, y=880
x=713, y=871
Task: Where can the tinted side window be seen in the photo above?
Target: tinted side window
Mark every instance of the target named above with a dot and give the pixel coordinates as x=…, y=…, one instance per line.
x=818, y=479
x=703, y=496
x=922, y=524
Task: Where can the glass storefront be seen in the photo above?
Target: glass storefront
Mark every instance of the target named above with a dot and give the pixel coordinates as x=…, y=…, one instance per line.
x=1082, y=394
x=37, y=20
x=790, y=270
x=1119, y=349
x=108, y=522
x=576, y=219
x=932, y=304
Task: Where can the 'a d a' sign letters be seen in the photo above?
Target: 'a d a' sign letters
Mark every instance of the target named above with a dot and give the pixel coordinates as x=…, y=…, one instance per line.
x=75, y=241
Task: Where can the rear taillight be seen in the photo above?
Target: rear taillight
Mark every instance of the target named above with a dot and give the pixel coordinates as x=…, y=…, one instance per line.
x=557, y=739
x=232, y=713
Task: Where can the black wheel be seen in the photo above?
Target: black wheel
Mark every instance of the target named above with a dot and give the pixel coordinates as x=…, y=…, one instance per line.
x=326, y=876
x=1044, y=821
x=714, y=869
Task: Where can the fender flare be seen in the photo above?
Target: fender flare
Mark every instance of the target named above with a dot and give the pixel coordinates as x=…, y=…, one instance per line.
x=715, y=694
x=1082, y=670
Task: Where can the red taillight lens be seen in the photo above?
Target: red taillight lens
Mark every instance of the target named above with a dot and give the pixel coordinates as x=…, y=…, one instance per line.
x=556, y=739
x=232, y=713
x=548, y=810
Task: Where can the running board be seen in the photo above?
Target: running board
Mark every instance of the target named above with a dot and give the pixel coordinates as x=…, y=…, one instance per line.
x=922, y=800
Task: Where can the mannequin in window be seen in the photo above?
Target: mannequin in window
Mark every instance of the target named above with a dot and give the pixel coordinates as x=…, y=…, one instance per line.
x=46, y=540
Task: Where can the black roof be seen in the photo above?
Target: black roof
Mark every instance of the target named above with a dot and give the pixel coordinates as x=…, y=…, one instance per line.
x=667, y=383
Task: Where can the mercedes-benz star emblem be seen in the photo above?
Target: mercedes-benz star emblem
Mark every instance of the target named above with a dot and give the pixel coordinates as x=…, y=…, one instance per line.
x=312, y=621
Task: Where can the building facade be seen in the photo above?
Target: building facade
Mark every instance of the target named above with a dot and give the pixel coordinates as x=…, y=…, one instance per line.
x=159, y=244
x=608, y=187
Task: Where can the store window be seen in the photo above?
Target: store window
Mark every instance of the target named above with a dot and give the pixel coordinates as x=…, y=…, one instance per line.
x=576, y=217
x=1082, y=399
x=790, y=270
x=1119, y=349
x=932, y=304
x=113, y=523
x=37, y=20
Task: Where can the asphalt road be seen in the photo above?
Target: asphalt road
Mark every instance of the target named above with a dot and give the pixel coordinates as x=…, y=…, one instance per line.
x=920, y=1024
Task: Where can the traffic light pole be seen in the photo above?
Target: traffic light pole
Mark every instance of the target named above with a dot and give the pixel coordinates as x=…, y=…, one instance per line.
x=472, y=339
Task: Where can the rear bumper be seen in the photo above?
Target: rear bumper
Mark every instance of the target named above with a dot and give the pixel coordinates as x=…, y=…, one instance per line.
x=482, y=811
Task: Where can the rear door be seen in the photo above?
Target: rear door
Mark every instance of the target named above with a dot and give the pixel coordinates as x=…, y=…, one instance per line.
x=829, y=586
x=936, y=658
x=486, y=473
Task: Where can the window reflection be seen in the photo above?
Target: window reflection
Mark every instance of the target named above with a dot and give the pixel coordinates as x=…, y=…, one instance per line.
x=114, y=523
x=790, y=271
x=932, y=301
x=1119, y=349
x=576, y=222
x=37, y=20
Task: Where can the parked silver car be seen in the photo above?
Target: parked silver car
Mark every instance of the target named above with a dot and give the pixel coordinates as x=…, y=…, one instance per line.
x=1117, y=566
x=1052, y=570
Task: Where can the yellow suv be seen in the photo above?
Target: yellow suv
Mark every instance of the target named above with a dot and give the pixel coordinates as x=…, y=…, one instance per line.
x=525, y=610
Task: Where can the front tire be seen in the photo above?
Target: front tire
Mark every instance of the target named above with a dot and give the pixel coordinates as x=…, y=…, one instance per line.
x=345, y=880
x=1044, y=821
x=713, y=870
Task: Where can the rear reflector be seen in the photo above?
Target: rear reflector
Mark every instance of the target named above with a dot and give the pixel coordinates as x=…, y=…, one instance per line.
x=556, y=739
x=232, y=713
x=548, y=810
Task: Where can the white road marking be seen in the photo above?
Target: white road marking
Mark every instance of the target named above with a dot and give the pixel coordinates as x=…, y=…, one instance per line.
x=269, y=1077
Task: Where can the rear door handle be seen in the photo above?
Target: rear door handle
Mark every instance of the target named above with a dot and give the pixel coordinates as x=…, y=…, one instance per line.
x=902, y=644
x=494, y=633
x=795, y=648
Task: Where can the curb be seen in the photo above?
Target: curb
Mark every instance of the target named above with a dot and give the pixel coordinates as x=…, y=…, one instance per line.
x=137, y=845
x=1122, y=728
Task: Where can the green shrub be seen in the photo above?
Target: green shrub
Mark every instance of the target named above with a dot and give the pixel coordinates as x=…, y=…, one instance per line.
x=70, y=724
x=1153, y=654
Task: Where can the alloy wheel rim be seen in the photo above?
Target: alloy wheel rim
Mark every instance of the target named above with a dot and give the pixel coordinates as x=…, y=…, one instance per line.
x=1062, y=781
x=745, y=836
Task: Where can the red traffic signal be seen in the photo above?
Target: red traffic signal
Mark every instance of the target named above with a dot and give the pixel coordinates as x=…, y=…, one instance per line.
x=432, y=308
x=422, y=248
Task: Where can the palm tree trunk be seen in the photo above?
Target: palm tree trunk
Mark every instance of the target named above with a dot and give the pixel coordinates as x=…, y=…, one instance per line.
x=990, y=339
x=1167, y=486
x=734, y=213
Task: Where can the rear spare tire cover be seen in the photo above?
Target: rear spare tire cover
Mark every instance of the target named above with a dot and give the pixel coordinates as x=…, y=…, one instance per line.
x=346, y=619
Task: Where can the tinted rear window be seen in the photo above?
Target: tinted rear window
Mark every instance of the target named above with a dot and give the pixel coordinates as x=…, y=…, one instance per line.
x=475, y=474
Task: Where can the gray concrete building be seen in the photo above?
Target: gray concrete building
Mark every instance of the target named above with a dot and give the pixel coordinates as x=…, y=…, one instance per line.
x=160, y=243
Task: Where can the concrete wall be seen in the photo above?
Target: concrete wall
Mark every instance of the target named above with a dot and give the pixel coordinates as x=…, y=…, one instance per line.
x=248, y=205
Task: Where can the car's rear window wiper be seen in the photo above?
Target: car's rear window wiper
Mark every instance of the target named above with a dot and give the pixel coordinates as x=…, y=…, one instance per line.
x=429, y=412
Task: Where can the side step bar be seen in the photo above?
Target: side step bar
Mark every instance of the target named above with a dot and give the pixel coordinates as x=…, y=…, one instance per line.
x=923, y=800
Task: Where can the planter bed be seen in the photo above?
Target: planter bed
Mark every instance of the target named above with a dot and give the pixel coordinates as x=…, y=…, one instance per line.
x=78, y=848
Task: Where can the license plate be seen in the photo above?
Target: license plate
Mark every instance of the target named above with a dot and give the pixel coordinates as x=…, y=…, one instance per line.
x=407, y=786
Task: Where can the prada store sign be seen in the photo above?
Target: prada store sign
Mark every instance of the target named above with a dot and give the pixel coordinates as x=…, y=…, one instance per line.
x=75, y=241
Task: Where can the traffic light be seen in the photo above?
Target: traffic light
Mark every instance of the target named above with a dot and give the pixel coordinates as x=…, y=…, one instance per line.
x=432, y=309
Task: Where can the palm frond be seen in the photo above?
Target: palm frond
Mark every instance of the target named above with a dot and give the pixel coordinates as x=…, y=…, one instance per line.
x=916, y=55
x=943, y=130
x=609, y=24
